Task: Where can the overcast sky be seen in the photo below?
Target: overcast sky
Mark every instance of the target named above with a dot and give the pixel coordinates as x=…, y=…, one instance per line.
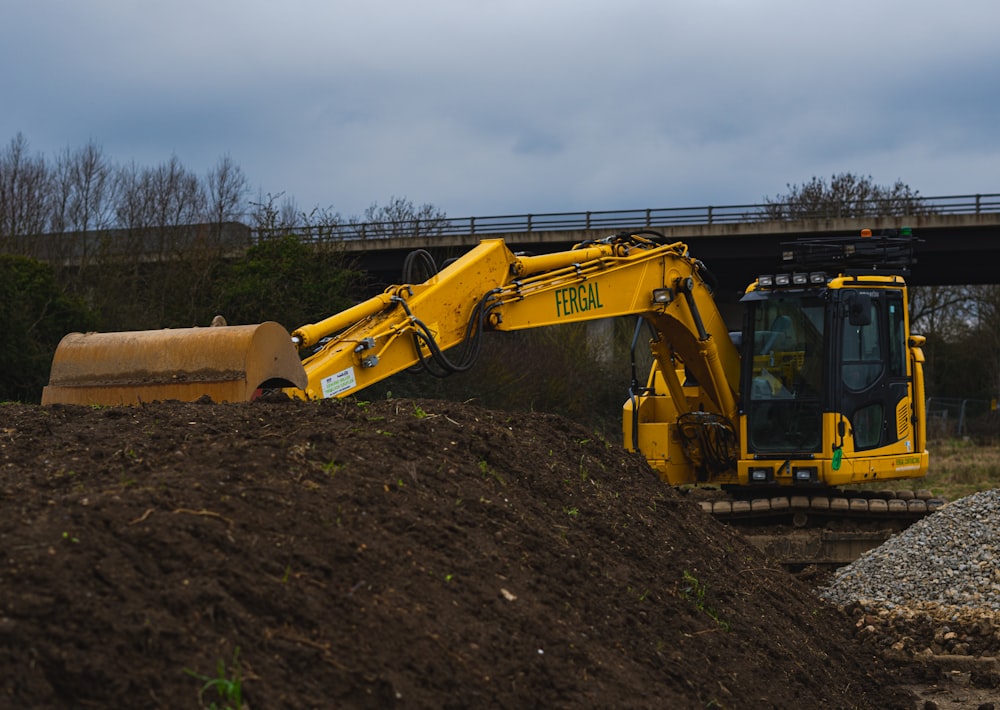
x=488, y=107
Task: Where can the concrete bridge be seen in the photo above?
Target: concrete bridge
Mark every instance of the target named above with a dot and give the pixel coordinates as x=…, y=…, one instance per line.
x=960, y=238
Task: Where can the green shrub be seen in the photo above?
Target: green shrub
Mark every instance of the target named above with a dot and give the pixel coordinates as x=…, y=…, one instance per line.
x=34, y=316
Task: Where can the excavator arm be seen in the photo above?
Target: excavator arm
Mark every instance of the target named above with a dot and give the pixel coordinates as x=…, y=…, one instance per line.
x=439, y=322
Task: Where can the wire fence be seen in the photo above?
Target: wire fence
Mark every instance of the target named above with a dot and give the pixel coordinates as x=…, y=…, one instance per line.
x=953, y=417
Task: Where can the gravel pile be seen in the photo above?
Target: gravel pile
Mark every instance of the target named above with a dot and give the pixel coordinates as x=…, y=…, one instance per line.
x=934, y=588
x=948, y=558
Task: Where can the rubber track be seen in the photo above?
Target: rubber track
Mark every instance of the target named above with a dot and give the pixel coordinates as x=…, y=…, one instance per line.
x=872, y=505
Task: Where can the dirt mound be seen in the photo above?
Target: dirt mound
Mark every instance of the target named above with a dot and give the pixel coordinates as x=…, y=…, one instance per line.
x=407, y=553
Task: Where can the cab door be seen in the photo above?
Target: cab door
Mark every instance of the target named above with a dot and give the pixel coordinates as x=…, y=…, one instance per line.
x=870, y=349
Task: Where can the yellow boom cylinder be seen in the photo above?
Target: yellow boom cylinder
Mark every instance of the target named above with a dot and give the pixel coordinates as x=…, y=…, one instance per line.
x=314, y=332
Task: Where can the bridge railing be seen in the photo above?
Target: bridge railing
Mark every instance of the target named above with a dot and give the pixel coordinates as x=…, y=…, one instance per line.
x=642, y=218
x=964, y=204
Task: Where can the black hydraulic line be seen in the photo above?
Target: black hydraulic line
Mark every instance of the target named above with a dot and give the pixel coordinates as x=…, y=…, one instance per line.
x=415, y=260
x=707, y=276
x=634, y=383
x=685, y=286
x=635, y=390
x=471, y=342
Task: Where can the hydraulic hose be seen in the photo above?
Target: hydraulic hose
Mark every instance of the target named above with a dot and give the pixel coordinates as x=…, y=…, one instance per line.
x=416, y=260
x=439, y=364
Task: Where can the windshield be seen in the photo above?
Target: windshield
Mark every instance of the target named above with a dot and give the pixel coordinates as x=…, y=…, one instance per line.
x=782, y=391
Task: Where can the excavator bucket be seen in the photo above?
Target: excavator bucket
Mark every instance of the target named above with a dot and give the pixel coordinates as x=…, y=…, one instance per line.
x=227, y=363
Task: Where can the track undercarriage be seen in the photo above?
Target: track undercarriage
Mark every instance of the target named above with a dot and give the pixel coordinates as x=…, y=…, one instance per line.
x=817, y=530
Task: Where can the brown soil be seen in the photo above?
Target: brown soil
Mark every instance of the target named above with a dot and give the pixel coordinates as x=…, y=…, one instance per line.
x=402, y=553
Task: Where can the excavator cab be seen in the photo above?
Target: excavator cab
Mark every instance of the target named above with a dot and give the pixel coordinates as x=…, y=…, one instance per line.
x=834, y=388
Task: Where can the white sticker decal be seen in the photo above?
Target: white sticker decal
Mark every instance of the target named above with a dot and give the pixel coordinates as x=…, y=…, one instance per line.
x=338, y=382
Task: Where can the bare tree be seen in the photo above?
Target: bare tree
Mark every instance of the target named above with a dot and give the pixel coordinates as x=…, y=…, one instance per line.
x=24, y=190
x=941, y=311
x=275, y=215
x=227, y=191
x=142, y=245
x=132, y=208
x=164, y=250
x=847, y=195
x=986, y=328
x=155, y=204
x=399, y=218
x=82, y=201
x=83, y=190
x=178, y=197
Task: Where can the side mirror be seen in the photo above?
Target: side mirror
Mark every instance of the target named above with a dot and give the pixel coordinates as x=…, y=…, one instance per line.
x=859, y=309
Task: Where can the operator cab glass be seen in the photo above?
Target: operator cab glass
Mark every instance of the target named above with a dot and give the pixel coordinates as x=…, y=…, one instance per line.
x=783, y=388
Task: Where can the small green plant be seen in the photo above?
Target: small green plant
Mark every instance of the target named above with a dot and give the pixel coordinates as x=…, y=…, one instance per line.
x=70, y=538
x=641, y=596
x=486, y=470
x=571, y=511
x=418, y=411
x=331, y=468
x=695, y=592
x=227, y=685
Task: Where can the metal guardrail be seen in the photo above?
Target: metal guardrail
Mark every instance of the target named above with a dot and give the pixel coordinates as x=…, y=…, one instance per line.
x=644, y=218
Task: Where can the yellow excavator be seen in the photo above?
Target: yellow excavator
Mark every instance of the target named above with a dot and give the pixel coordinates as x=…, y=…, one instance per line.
x=822, y=387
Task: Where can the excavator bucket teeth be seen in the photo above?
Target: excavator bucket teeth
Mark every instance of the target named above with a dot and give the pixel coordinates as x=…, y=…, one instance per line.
x=228, y=364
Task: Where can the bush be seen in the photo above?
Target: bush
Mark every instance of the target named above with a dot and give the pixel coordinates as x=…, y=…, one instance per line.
x=34, y=316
